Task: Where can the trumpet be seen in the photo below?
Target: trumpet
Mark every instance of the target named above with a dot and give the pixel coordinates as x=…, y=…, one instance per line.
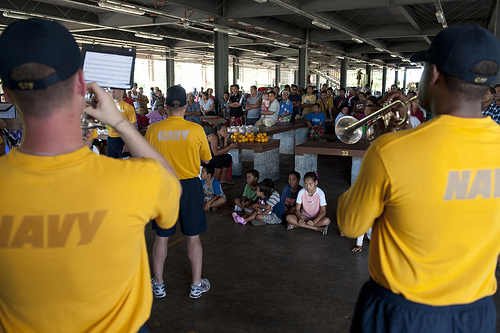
x=88, y=123
x=349, y=130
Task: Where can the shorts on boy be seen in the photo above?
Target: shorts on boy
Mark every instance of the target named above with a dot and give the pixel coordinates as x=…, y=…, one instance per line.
x=192, y=218
x=320, y=130
x=271, y=218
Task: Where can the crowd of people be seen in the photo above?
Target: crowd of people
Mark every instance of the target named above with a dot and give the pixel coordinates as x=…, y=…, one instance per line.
x=434, y=244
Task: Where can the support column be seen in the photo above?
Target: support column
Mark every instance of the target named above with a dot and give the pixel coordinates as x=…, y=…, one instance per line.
x=317, y=82
x=236, y=71
x=343, y=73
x=396, y=78
x=384, y=78
x=278, y=74
x=170, y=69
x=404, y=79
x=369, y=76
x=303, y=68
x=221, y=64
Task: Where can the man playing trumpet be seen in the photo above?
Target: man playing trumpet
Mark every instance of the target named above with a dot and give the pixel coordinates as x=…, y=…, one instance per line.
x=434, y=244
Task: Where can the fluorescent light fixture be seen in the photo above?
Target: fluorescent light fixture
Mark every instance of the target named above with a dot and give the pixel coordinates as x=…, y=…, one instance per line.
x=124, y=8
x=357, y=40
x=282, y=44
x=15, y=16
x=393, y=55
x=318, y=52
x=320, y=24
x=314, y=62
x=261, y=54
x=211, y=46
x=148, y=36
x=379, y=49
x=225, y=31
x=292, y=59
x=340, y=57
x=260, y=1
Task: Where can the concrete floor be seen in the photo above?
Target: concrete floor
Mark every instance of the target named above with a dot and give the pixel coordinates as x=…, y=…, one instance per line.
x=267, y=279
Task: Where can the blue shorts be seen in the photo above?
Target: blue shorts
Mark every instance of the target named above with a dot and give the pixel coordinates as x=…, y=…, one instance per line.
x=380, y=310
x=115, y=147
x=192, y=218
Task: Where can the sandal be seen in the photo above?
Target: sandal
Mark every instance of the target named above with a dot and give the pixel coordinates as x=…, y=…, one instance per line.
x=290, y=226
x=325, y=230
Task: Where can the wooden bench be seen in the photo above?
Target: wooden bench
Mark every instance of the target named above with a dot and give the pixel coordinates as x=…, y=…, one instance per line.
x=290, y=134
x=306, y=155
x=265, y=156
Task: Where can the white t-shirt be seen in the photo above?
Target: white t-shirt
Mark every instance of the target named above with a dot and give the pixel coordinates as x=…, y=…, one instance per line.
x=275, y=107
x=207, y=106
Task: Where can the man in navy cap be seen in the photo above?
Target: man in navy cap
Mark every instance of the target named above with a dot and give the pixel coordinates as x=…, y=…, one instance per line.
x=185, y=145
x=73, y=258
x=435, y=243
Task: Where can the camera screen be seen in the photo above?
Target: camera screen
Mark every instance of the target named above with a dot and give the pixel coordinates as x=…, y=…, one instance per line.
x=109, y=67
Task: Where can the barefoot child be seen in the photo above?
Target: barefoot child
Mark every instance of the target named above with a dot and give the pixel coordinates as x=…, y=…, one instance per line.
x=268, y=209
x=214, y=197
x=289, y=194
x=310, y=210
x=249, y=193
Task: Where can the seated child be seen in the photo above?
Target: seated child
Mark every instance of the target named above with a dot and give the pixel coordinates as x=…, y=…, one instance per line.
x=265, y=102
x=213, y=197
x=316, y=121
x=268, y=210
x=249, y=193
x=359, y=241
x=289, y=195
x=310, y=210
x=343, y=112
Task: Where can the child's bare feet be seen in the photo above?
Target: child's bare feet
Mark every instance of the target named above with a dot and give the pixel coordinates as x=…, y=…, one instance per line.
x=357, y=249
x=214, y=209
x=310, y=223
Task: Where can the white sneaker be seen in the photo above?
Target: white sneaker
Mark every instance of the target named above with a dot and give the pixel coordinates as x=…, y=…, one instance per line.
x=158, y=289
x=196, y=291
x=237, y=208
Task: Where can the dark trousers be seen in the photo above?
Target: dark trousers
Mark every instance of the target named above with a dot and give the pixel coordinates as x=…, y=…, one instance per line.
x=380, y=310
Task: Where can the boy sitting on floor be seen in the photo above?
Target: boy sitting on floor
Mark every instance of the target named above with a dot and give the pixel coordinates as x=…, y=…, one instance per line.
x=213, y=197
x=249, y=197
x=268, y=210
x=289, y=194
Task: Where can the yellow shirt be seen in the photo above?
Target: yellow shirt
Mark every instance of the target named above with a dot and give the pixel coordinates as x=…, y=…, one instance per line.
x=432, y=195
x=129, y=113
x=183, y=143
x=325, y=105
x=308, y=99
x=73, y=257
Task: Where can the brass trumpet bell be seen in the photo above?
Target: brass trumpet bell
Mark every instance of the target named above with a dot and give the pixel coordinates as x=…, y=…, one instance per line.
x=347, y=136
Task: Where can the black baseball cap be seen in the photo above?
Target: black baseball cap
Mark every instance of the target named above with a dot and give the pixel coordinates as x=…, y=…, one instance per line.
x=456, y=50
x=42, y=42
x=176, y=97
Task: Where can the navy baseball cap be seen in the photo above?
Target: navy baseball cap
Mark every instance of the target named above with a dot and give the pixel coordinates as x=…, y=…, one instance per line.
x=176, y=96
x=42, y=42
x=456, y=50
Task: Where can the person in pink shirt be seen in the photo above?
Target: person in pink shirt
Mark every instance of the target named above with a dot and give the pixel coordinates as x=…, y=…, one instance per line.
x=310, y=210
x=157, y=115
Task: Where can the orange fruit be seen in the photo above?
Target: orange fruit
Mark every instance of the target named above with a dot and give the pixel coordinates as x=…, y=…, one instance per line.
x=239, y=141
x=251, y=139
